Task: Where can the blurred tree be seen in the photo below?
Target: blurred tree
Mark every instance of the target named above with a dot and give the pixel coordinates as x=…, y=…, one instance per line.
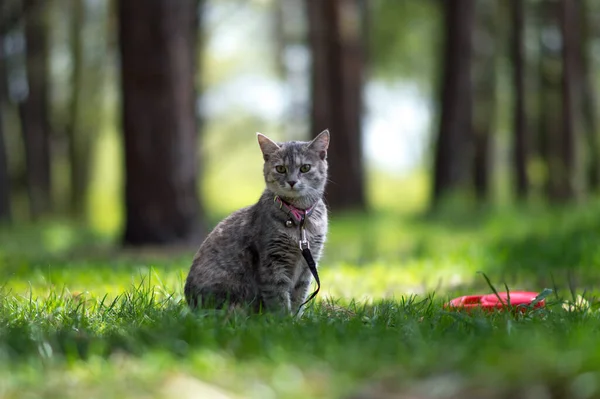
x=5, y=208
x=589, y=102
x=404, y=40
x=337, y=40
x=11, y=13
x=77, y=156
x=34, y=109
x=157, y=40
x=289, y=40
x=520, y=136
x=484, y=92
x=88, y=47
x=559, y=88
x=569, y=82
x=549, y=95
x=453, y=150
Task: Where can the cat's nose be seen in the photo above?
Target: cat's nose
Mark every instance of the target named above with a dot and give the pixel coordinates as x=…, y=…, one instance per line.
x=292, y=182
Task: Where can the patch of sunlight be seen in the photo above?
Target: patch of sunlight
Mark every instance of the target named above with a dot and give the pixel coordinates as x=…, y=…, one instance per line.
x=228, y=186
x=58, y=237
x=391, y=280
x=109, y=281
x=104, y=194
x=408, y=194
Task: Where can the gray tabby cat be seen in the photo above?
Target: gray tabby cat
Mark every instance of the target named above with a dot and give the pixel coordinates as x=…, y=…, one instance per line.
x=252, y=258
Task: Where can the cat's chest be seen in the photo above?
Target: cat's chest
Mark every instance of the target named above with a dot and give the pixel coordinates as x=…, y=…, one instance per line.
x=313, y=231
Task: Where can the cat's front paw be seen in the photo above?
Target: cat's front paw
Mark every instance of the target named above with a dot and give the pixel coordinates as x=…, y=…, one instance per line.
x=278, y=303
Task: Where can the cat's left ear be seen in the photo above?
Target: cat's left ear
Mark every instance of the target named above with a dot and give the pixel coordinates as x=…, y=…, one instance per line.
x=320, y=143
x=267, y=146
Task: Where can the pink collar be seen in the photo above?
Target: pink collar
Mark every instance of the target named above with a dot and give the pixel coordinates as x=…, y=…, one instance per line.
x=297, y=215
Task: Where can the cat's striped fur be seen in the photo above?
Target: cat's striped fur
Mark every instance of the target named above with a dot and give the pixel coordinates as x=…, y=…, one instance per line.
x=252, y=257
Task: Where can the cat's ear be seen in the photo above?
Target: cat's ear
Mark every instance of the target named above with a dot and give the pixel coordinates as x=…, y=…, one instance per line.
x=267, y=146
x=320, y=143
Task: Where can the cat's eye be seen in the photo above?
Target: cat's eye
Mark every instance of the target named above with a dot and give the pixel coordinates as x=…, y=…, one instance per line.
x=304, y=168
x=280, y=169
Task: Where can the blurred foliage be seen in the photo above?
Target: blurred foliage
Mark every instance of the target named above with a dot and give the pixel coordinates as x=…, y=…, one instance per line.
x=405, y=39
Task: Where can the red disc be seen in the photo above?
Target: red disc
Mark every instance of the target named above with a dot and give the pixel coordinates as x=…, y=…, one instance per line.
x=491, y=302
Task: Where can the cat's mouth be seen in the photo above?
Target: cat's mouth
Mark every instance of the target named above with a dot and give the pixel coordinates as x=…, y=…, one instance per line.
x=292, y=191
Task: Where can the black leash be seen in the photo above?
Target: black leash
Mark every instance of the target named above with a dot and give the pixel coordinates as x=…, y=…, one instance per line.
x=298, y=217
x=312, y=266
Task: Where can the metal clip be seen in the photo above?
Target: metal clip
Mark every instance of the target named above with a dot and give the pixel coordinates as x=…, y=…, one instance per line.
x=276, y=199
x=304, y=244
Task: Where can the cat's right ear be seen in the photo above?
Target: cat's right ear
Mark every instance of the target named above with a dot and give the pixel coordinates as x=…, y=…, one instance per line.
x=267, y=146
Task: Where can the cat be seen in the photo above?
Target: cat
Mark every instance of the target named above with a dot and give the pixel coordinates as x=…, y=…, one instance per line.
x=252, y=258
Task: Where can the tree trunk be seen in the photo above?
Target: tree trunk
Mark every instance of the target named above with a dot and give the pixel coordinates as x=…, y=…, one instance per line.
x=569, y=85
x=34, y=111
x=453, y=153
x=12, y=12
x=549, y=105
x=520, y=136
x=5, y=208
x=280, y=38
x=589, y=101
x=157, y=41
x=338, y=49
x=78, y=156
x=484, y=89
x=289, y=37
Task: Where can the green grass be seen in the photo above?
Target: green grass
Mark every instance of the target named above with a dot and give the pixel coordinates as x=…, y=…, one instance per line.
x=142, y=343
x=81, y=318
